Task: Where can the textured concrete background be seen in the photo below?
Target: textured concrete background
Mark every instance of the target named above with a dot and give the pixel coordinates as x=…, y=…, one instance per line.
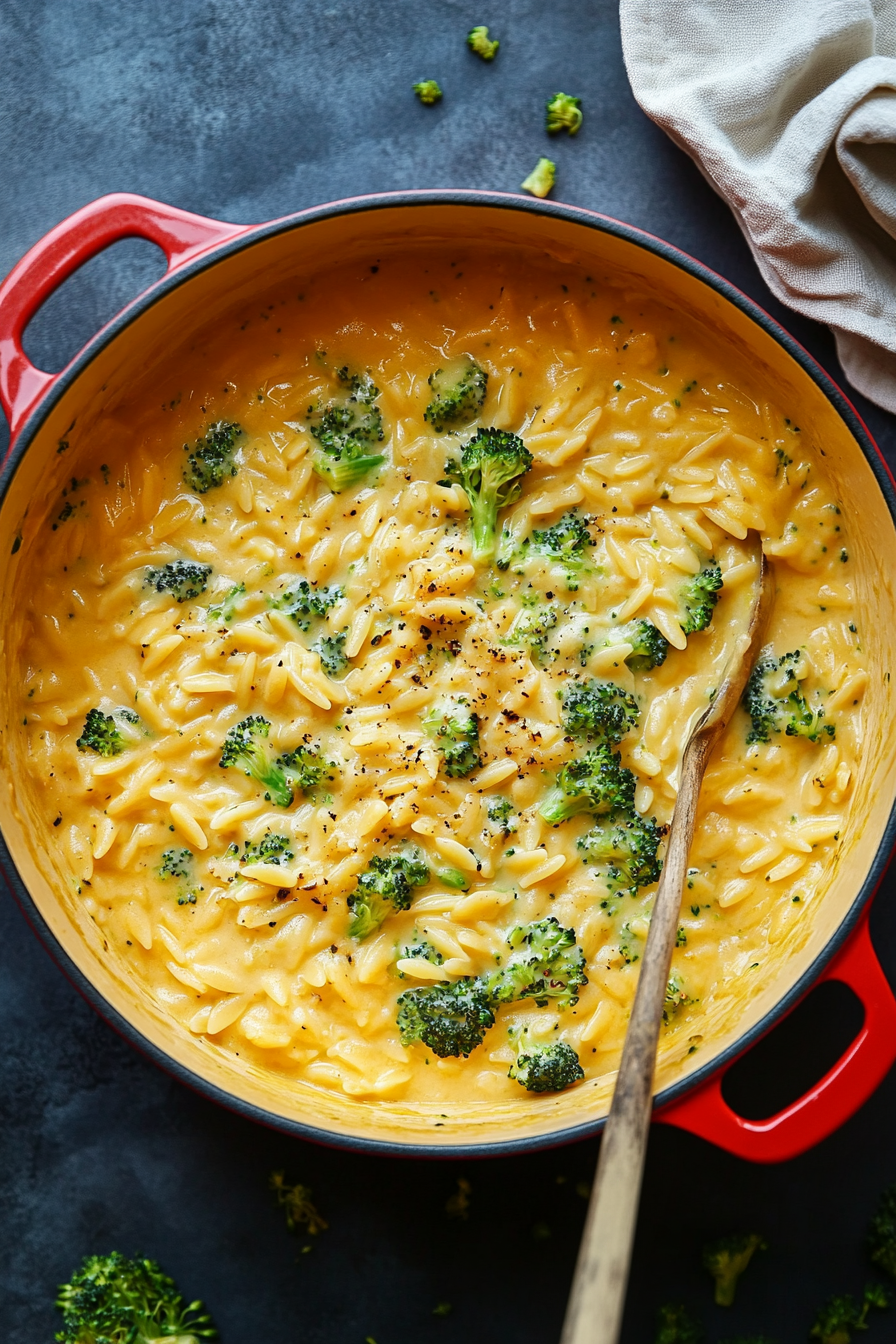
x=247, y=111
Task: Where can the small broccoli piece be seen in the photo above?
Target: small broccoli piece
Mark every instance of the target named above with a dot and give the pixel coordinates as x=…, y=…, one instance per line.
x=567, y=542
x=547, y=964
x=540, y=181
x=305, y=767
x=297, y=1203
x=492, y=466
x=597, y=782
x=211, y=461
x=563, y=113
x=451, y=1019
x=675, y=1325
x=727, y=1258
x=454, y=728
x=345, y=432
x=245, y=749
x=457, y=395
x=428, y=91
x=178, y=863
x=386, y=885
x=502, y=816
x=100, y=734
x=420, y=950
x=183, y=579
x=841, y=1315
x=774, y=700
x=305, y=601
x=331, y=649
x=676, y=997
x=481, y=44
x=113, y=1300
x=452, y=877
x=625, y=848
x=530, y=630
x=224, y=611
x=698, y=596
x=649, y=647
x=882, y=1233
x=599, y=711
x=545, y=1066
x=458, y=1204
x=271, y=848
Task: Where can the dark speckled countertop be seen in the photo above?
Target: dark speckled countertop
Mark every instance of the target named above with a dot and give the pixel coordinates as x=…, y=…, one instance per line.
x=246, y=111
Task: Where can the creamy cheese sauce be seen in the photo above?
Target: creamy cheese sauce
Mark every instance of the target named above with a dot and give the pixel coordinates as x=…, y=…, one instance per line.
x=233, y=907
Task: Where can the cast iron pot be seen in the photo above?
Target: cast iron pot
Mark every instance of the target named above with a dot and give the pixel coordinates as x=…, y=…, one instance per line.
x=214, y=266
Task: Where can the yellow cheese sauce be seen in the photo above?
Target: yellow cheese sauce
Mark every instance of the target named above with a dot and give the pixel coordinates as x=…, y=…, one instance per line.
x=351, y=622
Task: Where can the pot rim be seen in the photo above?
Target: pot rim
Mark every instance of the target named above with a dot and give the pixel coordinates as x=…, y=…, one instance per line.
x=245, y=239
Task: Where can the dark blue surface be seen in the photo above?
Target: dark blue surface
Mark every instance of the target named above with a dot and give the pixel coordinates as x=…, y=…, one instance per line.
x=247, y=111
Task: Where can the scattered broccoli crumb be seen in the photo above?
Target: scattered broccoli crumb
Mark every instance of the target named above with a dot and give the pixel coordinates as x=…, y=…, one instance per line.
x=481, y=44
x=563, y=113
x=540, y=181
x=428, y=91
x=111, y=1299
x=840, y=1316
x=727, y=1258
x=675, y=1325
x=211, y=460
x=183, y=579
x=458, y=1204
x=297, y=1204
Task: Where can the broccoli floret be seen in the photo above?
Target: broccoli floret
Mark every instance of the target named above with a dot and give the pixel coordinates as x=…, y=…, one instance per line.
x=183, y=579
x=211, y=461
x=649, y=647
x=502, y=815
x=305, y=767
x=563, y=113
x=345, y=432
x=774, y=700
x=676, y=997
x=457, y=395
x=481, y=44
x=492, y=466
x=547, y=964
x=304, y=601
x=113, y=1300
x=545, y=1066
x=882, y=1233
x=428, y=91
x=452, y=877
x=454, y=727
x=385, y=886
x=451, y=1019
x=698, y=596
x=245, y=748
x=675, y=1325
x=625, y=847
x=271, y=848
x=530, y=630
x=597, y=782
x=421, y=950
x=566, y=542
x=841, y=1315
x=110, y=734
x=541, y=179
x=224, y=611
x=297, y=1203
x=599, y=711
x=331, y=649
x=178, y=864
x=727, y=1258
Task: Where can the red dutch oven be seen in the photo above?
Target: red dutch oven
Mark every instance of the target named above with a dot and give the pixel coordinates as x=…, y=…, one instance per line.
x=207, y=261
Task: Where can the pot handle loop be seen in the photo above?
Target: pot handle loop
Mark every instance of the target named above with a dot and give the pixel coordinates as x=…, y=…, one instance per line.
x=833, y=1100
x=181, y=236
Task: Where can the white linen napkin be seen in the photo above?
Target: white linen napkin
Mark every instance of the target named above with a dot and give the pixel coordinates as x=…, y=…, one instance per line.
x=789, y=109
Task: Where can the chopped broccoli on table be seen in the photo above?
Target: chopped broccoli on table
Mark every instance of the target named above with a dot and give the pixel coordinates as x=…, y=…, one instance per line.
x=451, y=1019
x=481, y=44
x=563, y=113
x=545, y=1066
x=304, y=601
x=698, y=597
x=297, y=1204
x=540, y=181
x=454, y=727
x=386, y=885
x=211, y=462
x=224, y=611
x=492, y=467
x=727, y=1258
x=625, y=848
x=775, y=701
x=346, y=432
x=649, y=647
x=599, y=711
x=597, y=782
x=110, y=734
x=428, y=91
x=458, y=393
x=183, y=579
x=113, y=1300
x=882, y=1233
x=675, y=1325
x=840, y=1316
x=246, y=748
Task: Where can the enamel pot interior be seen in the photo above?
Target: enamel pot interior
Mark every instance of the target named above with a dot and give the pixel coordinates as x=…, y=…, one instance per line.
x=172, y=317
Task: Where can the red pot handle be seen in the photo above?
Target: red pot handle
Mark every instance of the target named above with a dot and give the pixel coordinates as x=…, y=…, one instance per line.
x=180, y=235
x=831, y=1102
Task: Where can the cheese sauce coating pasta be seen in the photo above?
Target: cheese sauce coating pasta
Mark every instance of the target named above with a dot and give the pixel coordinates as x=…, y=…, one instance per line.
x=310, y=741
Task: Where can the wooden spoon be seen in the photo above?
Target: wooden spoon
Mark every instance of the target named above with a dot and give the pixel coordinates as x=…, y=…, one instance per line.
x=597, y=1297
